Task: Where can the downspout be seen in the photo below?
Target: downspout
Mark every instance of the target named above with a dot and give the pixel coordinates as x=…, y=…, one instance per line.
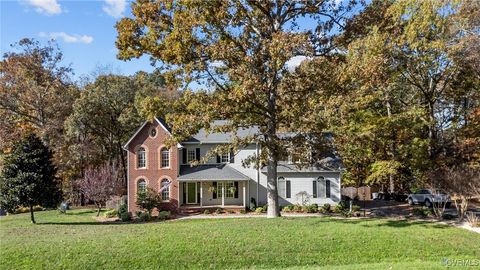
x=258, y=171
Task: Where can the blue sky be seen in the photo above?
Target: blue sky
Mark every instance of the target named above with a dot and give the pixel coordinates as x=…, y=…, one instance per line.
x=84, y=30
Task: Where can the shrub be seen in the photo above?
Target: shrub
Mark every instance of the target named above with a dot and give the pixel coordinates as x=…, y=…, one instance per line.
x=422, y=211
x=473, y=219
x=286, y=209
x=125, y=216
x=230, y=211
x=37, y=208
x=310, y=208
x=138, y=213
x=355, y=208
x=147, y=200
x=265, y=208
x=145, y=216
x=242, y=211
x=123, y=208
x=253, y=204
x=297, y=208
x=206, y=212
x=218, y=211
x=448, y=216
x=163, y=215
x=111, y=213
x=327, y=208
x=259, y=210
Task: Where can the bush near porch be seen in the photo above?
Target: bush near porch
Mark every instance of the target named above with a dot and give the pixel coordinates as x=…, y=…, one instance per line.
x=77, y=241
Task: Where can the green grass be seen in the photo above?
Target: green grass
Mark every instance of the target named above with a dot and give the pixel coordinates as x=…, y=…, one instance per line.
x=77, y=241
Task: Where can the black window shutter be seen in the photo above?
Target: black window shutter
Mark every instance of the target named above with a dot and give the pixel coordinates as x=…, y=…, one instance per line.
x=314, y=188
x=184, y=195
x=214, y=193
x=197, y=154
x=184, y=155
x=198, y=191
x=232, y=156
x=289, y=190
x=218, y=159
x=236, y=190
x=327, y=188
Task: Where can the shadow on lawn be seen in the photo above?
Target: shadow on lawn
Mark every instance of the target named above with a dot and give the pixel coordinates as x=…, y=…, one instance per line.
x=85, y=223
x=376, y=222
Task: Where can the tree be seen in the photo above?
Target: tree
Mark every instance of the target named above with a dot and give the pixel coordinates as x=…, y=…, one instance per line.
x=36, y=93
x=240, y=49
x=99, y=184
x=461, y=182
x=28, y=176
x=148, y=199
x=403, y=97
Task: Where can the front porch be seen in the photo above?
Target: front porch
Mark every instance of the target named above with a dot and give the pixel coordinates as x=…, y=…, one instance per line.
x=213, y=194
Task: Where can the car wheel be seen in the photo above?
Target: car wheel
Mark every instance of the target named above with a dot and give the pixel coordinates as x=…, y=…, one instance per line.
x=410, y=201
x=428, y=203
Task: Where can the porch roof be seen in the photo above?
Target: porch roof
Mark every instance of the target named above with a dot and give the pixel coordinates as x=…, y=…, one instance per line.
x=210, y=172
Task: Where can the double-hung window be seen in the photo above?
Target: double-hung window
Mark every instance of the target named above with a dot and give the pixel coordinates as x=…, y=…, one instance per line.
x=191, y=155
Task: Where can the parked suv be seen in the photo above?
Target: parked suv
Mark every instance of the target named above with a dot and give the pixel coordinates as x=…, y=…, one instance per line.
x=428, y=197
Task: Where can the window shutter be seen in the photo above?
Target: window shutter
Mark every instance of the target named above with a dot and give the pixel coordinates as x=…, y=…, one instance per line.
x=219, y=159
x=314, y=188
x=232, y=156
x=289, y=190
x=184, y=155
x=327, y=188
x=184, y=195
x=214, y=193
x=197, y=154
x=236, y=189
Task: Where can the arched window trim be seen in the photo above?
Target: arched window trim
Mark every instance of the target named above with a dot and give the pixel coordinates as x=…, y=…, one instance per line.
x=137, y=186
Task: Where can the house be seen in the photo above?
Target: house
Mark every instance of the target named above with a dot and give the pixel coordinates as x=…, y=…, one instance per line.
x=222, y=181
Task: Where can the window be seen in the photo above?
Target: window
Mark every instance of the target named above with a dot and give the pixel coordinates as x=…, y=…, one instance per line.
x=164, y=158
x=230, y=189
x=191, y=155
x=319, y=187
x=166, y=191
x=141, y=185
x=141, y=158
x=327, y=188
x=153, y=132
x=225, y=158
x=281, y=187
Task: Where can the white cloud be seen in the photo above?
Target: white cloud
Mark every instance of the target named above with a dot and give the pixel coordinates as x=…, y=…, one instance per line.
x=48, y=7
x=294, y=62
x=115, y=8
x=67, y=38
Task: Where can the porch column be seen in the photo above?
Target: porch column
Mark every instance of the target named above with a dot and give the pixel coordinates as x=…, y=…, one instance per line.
x=244, y=194
x=201, y=193
x=223, y=194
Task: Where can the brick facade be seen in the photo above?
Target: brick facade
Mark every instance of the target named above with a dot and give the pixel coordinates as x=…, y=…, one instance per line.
x=153, y=173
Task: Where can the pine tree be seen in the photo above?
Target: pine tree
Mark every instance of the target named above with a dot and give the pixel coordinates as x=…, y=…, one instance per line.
x=28, y=177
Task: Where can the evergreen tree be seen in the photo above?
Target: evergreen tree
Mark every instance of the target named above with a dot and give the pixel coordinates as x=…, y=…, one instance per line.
x=28, y=176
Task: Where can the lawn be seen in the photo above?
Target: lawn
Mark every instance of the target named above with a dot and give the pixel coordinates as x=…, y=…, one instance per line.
x=77, y=241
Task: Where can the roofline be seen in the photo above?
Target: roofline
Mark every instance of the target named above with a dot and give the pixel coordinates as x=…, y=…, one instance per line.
x=125, y=147
x=332, y=171
x=210, y=179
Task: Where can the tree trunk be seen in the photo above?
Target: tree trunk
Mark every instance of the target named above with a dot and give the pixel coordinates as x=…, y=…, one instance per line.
x=99, y=208
x=272, y=192
x=32, y=217
x=392, y=145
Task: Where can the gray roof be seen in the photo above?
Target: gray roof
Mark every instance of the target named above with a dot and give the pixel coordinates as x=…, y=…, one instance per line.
x=210, y=172
x=219, y=137
x=325, y=165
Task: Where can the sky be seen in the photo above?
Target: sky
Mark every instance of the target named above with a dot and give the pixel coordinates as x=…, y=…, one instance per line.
x=84, y=30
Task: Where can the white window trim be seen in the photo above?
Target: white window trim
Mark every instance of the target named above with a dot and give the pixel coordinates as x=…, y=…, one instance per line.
x=137, y=160
x=162, y=159
x=225, y=155
x=194, y=155
x=167, y=189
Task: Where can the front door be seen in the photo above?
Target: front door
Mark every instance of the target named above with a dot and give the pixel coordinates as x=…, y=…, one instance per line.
x=191, y=193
